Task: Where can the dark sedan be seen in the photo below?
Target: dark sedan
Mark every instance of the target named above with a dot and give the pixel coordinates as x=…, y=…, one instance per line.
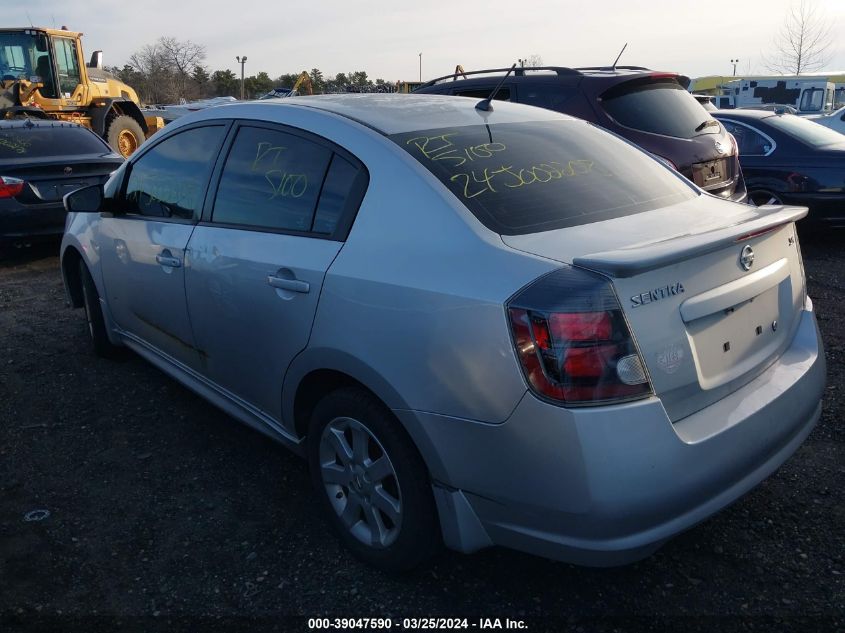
x=788, y=159
x=40, y=162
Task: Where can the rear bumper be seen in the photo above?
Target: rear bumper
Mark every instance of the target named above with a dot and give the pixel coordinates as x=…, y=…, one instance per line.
x=825, y=208
x=608, y=485
x=22, y=222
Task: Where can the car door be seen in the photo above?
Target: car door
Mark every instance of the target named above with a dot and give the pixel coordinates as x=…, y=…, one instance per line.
x=283, y=203
x=142, y=244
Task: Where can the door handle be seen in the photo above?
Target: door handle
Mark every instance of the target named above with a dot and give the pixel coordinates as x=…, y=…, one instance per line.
x=294, y=285
x=168, y=260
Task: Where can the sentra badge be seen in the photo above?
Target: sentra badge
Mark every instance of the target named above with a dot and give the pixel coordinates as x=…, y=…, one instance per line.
x=650, y=296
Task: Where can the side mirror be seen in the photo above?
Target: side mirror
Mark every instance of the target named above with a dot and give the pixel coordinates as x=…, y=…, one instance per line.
x=86, y=200
x=96, y=60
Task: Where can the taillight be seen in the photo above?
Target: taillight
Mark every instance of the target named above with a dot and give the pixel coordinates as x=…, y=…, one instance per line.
x=10, y=187
x=573, y=342
x=734, y=145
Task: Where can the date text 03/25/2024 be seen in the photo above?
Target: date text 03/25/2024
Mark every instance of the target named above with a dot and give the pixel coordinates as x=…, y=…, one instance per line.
x=387, y=624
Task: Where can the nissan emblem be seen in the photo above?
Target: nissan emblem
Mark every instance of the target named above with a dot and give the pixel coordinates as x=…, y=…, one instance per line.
x=746, y=257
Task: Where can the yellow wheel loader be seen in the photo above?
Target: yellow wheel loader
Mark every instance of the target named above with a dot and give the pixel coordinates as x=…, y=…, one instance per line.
x=43, y=73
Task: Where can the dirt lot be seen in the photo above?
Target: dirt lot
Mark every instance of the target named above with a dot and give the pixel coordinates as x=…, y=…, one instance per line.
x=162, y=510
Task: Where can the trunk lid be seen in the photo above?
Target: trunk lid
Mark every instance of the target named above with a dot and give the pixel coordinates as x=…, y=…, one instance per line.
x=49, y=179
x=704, y=324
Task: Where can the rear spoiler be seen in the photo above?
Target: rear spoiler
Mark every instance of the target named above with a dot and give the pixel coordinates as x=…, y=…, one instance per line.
x=628, y=262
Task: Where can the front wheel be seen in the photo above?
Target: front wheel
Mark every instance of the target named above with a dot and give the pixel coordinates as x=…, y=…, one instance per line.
x=124, y=134
x=372, y=482
x=94, y=315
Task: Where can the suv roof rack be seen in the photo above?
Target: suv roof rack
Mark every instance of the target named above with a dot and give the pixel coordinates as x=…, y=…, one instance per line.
x=612, y=68
x=559, y=70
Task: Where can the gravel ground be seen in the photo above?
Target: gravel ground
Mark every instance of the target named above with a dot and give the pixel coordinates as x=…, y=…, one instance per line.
x=163, y=511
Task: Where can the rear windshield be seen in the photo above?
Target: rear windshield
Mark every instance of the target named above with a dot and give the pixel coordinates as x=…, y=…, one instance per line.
x=805, y=130
x=519, y=178
x=662, y=107
x=22, y=142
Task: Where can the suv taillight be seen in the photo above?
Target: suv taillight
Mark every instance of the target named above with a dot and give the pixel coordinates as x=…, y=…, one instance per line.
x=573, y=342
x=10, y=187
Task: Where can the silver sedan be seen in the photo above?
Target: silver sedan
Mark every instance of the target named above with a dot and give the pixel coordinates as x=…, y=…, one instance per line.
x=480, y=326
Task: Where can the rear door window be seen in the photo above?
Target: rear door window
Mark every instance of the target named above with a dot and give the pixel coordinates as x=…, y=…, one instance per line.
x=51, y=139
x=659, y=107
x=549, y=96
x=750, y=142
x=519, y=178
x=272, y=179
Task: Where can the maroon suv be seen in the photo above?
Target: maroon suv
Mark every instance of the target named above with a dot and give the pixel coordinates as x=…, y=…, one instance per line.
x=652, y=109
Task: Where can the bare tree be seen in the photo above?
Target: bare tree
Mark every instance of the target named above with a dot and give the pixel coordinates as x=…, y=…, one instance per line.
x=804, y=42
x=165, y=68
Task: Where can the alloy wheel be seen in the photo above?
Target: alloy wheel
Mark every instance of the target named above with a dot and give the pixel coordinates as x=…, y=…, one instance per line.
x=360, y=481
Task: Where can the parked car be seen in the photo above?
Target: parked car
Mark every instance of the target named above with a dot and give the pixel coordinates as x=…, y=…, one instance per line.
x=706, y=101
x=277, y=93
x=788, y=159
x=41, y=161
x=779, y=108
x=835, y=120
x=652, y=109
x=506, y=327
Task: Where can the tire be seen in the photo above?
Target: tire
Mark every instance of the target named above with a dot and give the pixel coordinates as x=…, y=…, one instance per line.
x=124, y=134
x=94, y=315
x=383, y=511
x=759, y=198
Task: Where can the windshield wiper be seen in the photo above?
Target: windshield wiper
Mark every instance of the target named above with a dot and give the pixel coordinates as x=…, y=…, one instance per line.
x=706, y=123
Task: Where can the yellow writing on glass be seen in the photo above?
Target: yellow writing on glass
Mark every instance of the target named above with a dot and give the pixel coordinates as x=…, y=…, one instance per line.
x=282, y=183
x=441, y=148
x=475, y=183
x=266, y=151
x=285, y=184
x=19, y=146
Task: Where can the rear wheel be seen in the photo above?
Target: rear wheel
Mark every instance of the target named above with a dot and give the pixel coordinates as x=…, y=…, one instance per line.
x=124, y=134
x=94, y=315
x=372, y=482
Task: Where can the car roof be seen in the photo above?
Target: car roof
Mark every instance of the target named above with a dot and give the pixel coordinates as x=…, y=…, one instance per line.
x=541, y=73
x=398, y=113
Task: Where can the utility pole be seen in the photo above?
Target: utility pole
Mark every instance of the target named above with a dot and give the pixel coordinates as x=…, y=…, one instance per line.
x=420, y=67
x=242, y=61
x=734, y=62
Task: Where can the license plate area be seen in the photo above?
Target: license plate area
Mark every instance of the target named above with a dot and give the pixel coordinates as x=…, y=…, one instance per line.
x=733, y=341
x=711, y=173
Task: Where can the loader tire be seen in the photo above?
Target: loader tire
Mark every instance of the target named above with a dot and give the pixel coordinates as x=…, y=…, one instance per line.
x=124, y=134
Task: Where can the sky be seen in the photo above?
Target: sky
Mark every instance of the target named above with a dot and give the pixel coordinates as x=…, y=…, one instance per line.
x=385, y=37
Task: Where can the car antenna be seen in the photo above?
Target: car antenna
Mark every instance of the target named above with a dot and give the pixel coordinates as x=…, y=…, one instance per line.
x=485, y=104
x=618, y=56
